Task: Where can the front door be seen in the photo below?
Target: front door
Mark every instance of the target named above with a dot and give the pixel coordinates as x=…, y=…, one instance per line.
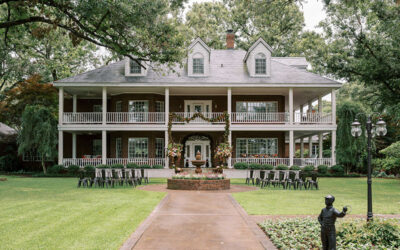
x=191, y=149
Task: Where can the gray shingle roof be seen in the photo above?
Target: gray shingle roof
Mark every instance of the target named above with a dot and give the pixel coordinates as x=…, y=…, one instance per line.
x=226, y=66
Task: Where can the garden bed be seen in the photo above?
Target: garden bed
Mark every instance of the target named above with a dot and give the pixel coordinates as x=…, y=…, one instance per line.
x=187, y=184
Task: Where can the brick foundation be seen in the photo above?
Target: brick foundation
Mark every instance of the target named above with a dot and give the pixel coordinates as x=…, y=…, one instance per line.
x=181, y=184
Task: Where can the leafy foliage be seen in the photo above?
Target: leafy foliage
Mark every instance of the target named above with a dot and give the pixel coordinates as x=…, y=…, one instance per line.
x=241, y=165
x=38, y=133
x=282, y=167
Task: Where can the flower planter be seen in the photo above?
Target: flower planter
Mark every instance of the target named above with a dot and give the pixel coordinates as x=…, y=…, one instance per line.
x=187, y=184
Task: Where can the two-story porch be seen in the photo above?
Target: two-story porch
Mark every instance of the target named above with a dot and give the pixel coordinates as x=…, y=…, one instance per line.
x=129, y=124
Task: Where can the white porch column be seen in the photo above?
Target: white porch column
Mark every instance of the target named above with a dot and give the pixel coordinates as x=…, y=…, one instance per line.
x=302, y=148
x=229, y=99
x=290, y=105
x=291, y=153
x=104, y=106
x=309, y=146
x=104, y=147
x=166, y=142
x=74, y=145
x=60, y=105
x=166, y=104
x=320, y=149
x=333, y=108
x=74, y=103
x=333, y=150
x=60, y=147
x=320, y=105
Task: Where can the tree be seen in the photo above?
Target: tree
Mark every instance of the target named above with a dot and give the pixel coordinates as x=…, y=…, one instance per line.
x=280, y=23
x=38, y=133
x=349, y=150
x=362, y=45
x=28, y=92
x=138, y=29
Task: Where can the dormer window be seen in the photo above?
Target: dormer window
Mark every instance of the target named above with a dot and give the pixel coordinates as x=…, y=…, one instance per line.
x=135, y=67
x=261, y=64
x=198, y=64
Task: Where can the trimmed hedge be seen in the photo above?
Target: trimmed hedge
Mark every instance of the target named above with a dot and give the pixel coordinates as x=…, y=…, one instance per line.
x=322, y=169
x=145, y=166
x=158, y=166
x=89, y=168
x=132, y=165
x=240, y=165
x=282, y=167
x=295, y=167
x=56, y=169
x=73, y=169
x=255, y=166
x=117, y=166
x=267, y=167
x=103, y=166
x=337, y=170
x=308, y=168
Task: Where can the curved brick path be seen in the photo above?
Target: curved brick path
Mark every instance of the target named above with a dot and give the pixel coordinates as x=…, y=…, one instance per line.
x=198, y=220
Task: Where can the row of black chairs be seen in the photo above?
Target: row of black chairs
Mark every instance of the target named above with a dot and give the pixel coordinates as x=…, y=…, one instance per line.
x=107, y=177
x=286, y=179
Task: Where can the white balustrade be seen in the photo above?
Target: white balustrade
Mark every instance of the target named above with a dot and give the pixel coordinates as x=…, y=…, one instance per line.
x=138, y=161
x=199, y=120
x=312, y=161
x=260, y=117
x=82, y=117
x=312, y=118
x=135, y=117
x=81, y=161
x=271, y=161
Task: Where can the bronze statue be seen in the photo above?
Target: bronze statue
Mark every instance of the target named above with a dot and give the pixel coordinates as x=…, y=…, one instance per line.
x=327, y=219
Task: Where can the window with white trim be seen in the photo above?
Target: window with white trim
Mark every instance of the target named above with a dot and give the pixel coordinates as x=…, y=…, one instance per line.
x=315, y=149
x=261, y=64
x=135, y=67
x=118, y=106
x=97, y=148
x=198, y=64
x=160, y=148
x=118, y=147
x=138, y=106
x=257, y=107
x=249, y=147
x=160, y=106
x=138, y=147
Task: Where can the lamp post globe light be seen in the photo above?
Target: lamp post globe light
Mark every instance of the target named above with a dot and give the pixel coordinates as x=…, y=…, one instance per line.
x=371, y=131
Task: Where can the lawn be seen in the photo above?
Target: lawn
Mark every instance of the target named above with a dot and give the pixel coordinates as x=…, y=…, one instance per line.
x=51, y=213
x=347, y=191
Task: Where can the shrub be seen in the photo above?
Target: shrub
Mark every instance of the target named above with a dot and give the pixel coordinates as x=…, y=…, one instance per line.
x=337, y=169
x=132, y=165
x=240, y=165
x=89, y=168
x=323, y=169
x=56, y=169
x=267, y=167
x=255, y=166
x=117, y=166
x=145, y=166
x=73, y=169
x=295, y=167
x=282, y=167
x=158, y=166
x=309, y=168
x=102, y=166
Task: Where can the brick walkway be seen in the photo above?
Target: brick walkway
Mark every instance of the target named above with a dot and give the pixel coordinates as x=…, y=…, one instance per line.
x=198, y=220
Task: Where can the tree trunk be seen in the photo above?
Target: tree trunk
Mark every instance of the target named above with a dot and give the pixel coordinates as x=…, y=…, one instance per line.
x=44, y=166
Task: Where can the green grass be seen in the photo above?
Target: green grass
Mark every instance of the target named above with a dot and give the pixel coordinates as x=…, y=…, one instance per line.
x=51, y=213
x=347, y=191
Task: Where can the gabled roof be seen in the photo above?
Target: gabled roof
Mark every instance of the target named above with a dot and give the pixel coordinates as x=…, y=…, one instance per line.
x=226, y=67
x=199, y=40
x=298, y=62
x=259, y=40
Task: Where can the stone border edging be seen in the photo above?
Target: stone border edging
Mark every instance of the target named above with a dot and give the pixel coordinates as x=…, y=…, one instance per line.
x=257, y=231
x=137, y=234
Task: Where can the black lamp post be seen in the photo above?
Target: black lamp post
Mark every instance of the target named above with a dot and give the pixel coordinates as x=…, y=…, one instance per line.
x=372, y=130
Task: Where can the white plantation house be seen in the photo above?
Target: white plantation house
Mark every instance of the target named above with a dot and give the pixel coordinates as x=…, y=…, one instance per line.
x=119, y=113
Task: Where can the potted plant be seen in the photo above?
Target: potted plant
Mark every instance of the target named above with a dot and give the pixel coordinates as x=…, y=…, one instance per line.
x=174, y=153
x=223, y=152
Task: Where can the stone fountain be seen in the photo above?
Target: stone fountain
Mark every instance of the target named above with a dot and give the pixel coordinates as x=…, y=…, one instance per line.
x=198, y=163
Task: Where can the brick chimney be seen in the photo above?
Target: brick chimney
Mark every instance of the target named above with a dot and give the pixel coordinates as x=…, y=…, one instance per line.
x=230, y=39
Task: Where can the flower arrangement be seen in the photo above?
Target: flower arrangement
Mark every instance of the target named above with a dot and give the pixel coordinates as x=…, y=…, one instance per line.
x=205, y=176
x=174, y=149
x=223, y=151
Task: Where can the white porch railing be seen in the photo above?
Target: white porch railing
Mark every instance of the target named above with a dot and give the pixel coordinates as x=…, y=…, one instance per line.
x=81, y=161
x=135, y=117
x=312, y=117
x=139, y=161
x=82, y=117
x=312, y=161
x=272, y=161
x=248, y=117
x=198, y=120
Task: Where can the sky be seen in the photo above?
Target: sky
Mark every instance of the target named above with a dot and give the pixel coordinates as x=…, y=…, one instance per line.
x=313, y=12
